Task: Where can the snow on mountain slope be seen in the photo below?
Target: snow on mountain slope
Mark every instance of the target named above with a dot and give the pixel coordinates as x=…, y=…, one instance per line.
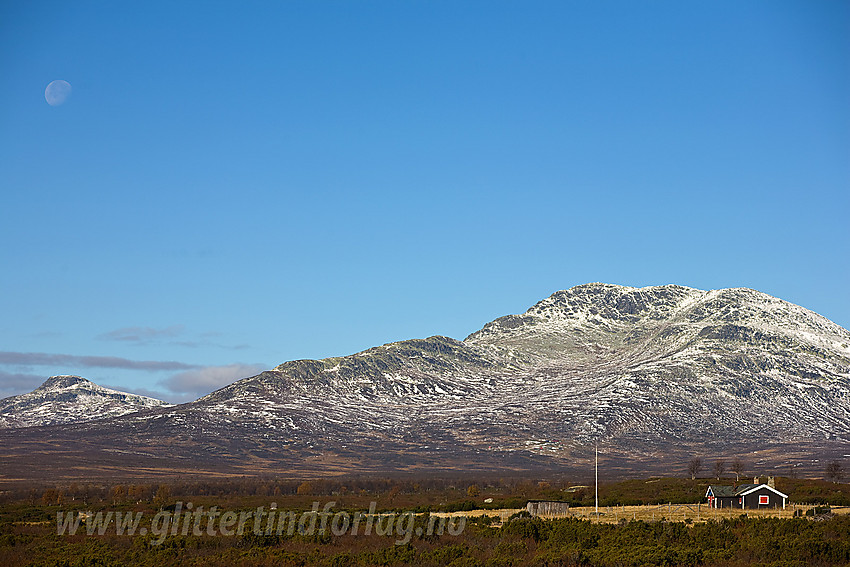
x=69, y=399
x=642, y=370
x=676, y=363
x=598, y=362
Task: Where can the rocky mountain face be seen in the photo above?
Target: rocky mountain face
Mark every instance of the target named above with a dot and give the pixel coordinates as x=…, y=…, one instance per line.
x=669, y=363
x=69, y=399
x=636, y=368
x=645, y=373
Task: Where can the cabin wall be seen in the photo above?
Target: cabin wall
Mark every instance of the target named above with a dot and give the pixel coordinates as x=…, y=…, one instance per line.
x=727, y=502
x=773, y=499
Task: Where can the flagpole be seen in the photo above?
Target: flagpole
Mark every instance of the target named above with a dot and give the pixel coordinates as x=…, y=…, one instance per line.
x=597, y=482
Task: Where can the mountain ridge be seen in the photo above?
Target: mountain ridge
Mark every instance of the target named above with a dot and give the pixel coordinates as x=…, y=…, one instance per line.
x=647, y=372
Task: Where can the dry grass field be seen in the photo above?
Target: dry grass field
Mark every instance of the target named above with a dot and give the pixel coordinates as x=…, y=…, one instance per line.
x=668, y=512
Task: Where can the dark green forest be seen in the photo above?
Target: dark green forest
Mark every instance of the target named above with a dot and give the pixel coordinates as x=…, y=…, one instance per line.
x=28, y=526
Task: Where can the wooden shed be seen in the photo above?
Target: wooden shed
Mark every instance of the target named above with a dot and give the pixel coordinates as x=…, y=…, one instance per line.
x=547, y=508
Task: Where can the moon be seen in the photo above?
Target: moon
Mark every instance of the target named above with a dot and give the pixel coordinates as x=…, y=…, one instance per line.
x=56, y=92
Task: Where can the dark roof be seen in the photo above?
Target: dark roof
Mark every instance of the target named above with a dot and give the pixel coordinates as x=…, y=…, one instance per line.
x=721, y=491
x=729, y=491
x=760, y=486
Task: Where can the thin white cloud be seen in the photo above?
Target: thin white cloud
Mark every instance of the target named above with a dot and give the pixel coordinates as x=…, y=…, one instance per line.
x=201, y=381
x=193, y=382
x=142, y=334
x=70, y=360
x=199, y=344
x=46, y=335
x=175, y=335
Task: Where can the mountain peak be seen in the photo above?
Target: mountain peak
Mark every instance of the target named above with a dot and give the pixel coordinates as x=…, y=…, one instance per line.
x=618, y=296
x=68, y=398
x=64, y=381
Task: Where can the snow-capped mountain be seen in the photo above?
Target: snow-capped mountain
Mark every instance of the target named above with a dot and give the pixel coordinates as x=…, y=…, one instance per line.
x=633, y=367
x=673, y=362
x=69, y=399
x=646, y=373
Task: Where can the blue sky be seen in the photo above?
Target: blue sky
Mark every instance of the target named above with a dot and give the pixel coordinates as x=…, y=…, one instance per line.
x=233, y=185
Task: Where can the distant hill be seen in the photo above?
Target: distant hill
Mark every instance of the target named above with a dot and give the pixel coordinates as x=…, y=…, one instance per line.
x=69, y=399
